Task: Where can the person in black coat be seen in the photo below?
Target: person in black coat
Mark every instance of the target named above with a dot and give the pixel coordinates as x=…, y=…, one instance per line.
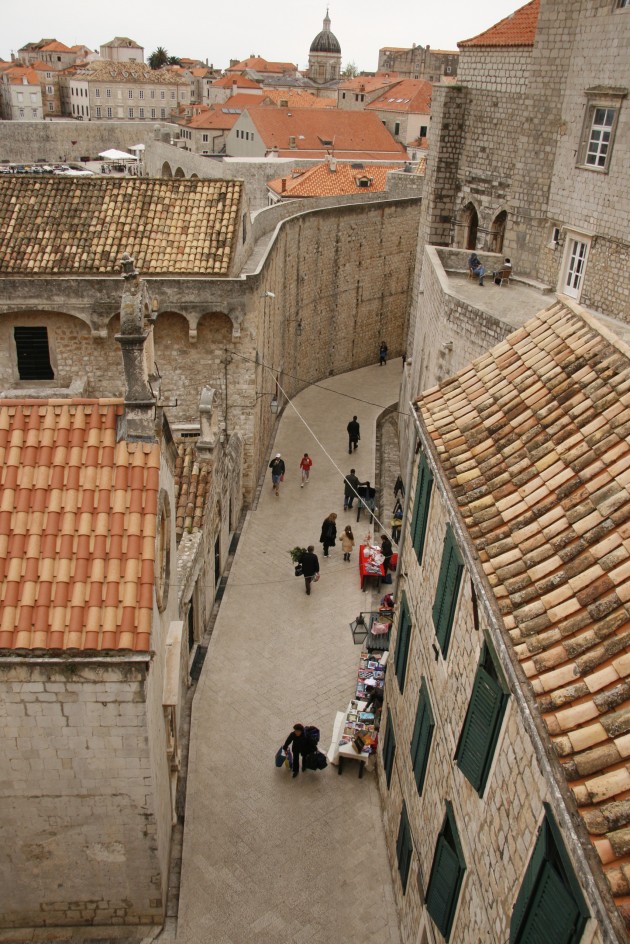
x=329, y=532
x=310, y=567
x=354, y=434
x=386, y=551
x=277, y=472
x=300, y=746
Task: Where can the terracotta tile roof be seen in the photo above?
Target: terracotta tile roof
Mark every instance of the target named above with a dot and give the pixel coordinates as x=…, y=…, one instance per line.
x=227, y=81
x=104, y=70
x=518, y=29
x=55, y=46
x=122, y=41
x=320, y=181
x=55, y=226
x=193, y=478
x=409, y=95
x=217, y=119
x=369, y=83
x=534, y=438
x=78, y=513
x=257, y=64
x=352, y=132
x=16, y=75
x=298, y=98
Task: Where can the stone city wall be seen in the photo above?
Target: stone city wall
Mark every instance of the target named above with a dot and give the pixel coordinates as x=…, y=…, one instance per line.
x=59, y=140
x=74, y=740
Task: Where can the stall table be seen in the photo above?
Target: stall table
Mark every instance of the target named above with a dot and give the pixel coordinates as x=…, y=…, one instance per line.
x=366, y=574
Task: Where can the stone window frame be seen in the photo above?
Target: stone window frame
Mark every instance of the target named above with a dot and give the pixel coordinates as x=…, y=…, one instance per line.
x=620, y=5
x=44, y=382
x=597, y=98
x=420, y=746
x=447, y=875
x=447, y=594
x=422, y=508
x=403, y=642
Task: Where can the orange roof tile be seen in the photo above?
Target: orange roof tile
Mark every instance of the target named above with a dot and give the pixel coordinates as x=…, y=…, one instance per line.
x=298, y=98
x=541, y=475
x=78, y=515
x=193, y=478
x=369, y=83
x=55, y=46
x=258, y=64
x=227, y=81
x=409, y=95
x=317, y=131
x=321, y=181
x=56, y=225
x=17, y=74
x=517, y=29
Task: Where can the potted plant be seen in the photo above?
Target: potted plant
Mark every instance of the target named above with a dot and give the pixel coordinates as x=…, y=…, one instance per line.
x=296, y=554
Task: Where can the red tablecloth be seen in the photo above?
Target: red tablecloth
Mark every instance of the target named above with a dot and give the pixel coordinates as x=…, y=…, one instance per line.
x=363, y=572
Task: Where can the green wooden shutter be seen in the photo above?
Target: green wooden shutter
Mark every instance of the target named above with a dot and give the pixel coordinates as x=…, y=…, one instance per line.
x=449, y=580
x=404, y=847
x=389, y=749
x=422, y=737
x=553, y=915
x=420, y=518
x=443, y=886
x=481, y=729
x=402, y=644
x=529, y=883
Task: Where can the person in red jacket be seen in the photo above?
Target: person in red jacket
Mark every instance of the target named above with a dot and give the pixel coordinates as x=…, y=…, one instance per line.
x=305, y=468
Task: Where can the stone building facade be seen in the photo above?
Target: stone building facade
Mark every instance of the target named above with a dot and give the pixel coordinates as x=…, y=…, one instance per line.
x=419, y=62
x=554, y=200
x=124, y=91
x=502, y=761
x=324, y=57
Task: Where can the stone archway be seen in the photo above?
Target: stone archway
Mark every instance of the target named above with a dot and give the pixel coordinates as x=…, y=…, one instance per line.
x=166, y=170
x=179, y=173
x=467, y=227
x=497, y=232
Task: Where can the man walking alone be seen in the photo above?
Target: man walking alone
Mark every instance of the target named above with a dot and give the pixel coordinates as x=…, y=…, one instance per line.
x=354, y=434
x=310, y=567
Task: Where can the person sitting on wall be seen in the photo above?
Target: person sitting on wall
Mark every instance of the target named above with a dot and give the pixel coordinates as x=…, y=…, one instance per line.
x=475, y=266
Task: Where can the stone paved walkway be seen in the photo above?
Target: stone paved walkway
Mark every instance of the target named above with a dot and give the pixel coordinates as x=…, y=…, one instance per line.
x=268, y=858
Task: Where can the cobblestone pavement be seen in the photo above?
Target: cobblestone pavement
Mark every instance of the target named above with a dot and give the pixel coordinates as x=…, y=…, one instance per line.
x=267, y=858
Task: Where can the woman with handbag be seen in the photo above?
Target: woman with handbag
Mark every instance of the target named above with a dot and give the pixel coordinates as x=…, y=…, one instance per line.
x=329, y=532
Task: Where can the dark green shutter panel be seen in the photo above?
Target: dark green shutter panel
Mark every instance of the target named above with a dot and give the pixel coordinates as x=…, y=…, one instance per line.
x=553, y=916
x=389, y=749
x=443, y=886
x=449, y=579
x=530, y=878
x=402, y=644
x=404, y=848
x=421, y=508
x=481, y=728
x=422, y=736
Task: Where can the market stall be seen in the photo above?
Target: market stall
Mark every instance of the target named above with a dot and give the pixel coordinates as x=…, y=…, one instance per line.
x=355, y=730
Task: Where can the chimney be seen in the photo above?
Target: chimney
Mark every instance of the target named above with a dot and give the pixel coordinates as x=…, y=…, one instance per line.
x=136, y=341
x=332, y=165
x=283, y=185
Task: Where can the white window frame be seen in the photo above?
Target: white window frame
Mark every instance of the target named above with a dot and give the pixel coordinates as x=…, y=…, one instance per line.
x=109, y=113
x=98, y=111
x=577, y=247
x=598, y=135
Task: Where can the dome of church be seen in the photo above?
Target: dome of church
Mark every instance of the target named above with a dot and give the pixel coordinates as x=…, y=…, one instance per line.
x=326, y=41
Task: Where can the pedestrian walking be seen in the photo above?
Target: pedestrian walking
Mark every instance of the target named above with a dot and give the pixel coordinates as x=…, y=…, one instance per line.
x=329, y=532
x=347, y=542
x=305, y=468
x=382, y=355
x=350, y=486
x=301, y=746
x=310, y=567
x=354, y=434
x=277, y=472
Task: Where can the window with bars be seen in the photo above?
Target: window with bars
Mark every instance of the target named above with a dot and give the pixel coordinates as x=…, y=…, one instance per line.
x=550, y=905
x=447, y=592
x=447, y=873
x=420, y=519
x=33, y=353
x=482, y=723
x=389, y=749
x=402, y=644
x=422, y=736
x=404, y=847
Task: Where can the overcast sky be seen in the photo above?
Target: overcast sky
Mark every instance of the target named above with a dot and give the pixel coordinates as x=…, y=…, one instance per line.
x=237, y=28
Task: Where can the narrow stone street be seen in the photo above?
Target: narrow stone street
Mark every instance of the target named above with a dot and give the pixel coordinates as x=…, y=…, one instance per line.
x=268, y=858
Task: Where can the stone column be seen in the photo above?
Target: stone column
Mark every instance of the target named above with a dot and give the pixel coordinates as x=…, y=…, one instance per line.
x=140, y=400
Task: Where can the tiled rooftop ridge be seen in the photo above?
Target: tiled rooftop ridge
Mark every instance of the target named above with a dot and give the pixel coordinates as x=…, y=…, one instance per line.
x=517, y=29
x=78, y=513
x=534, y=438
x=56, y=226
x=193, y=478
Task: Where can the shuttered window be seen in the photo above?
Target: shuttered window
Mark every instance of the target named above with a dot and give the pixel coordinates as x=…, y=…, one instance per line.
x=482, y=723
x=446, y=877
x=404, y=847
x=33, y=355
x=422, y=736
x=402, y=644
x=550, y=905
x=389, y=749
x=449, y=580
x=424, y=484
